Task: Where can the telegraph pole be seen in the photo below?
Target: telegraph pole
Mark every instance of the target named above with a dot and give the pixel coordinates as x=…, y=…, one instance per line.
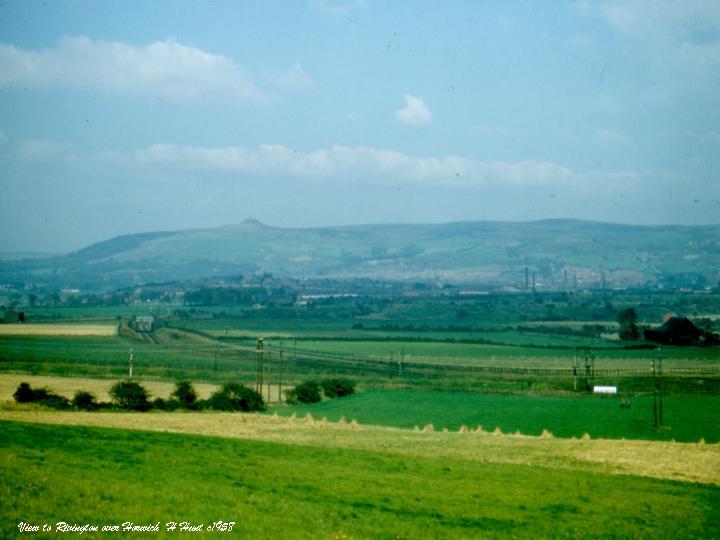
x=130, y=363
x=282, y=373
x=657, y=392
x=259, y=368
x=660, y=390
x=655, y=408
x=269, y=369
x=574, y=368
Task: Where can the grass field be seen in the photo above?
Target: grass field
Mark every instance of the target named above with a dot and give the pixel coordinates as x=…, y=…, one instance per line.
x=187, y=356
x=693, y=462
x=274, y=490
x=686, y=417
x=58, y=329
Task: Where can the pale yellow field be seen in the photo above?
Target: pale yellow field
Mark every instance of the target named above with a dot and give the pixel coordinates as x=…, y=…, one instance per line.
x=58, y=330
x=67, y=386
x=692, y=462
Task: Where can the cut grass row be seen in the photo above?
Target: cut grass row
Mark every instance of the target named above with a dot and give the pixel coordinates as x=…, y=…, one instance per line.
x=270, y=490
x=686, y=417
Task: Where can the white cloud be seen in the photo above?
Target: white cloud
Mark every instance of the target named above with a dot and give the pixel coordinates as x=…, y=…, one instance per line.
x=612, y=137
x=164, y=69
x=339, y=8
x=414, y=113
x=39, y=150
x=344, y=163
x=679, y=41
x=293, y=78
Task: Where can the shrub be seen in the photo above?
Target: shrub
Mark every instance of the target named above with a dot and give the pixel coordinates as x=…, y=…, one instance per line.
x=130, y=395
x=26, y=394
x=307, y=392
x=54, y=401
x=85, y=401
x=333, y=388
x=185, y=394
x=236, y=397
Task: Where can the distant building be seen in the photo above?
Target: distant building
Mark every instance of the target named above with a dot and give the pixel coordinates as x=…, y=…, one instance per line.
x=13, y=317
x=681, y=331
x=144, y=323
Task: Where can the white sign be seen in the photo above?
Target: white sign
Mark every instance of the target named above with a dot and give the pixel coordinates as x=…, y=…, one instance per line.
x=605, y=389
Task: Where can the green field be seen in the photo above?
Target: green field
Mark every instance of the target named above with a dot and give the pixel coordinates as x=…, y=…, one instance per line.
x=273, y=490
x=686, y=417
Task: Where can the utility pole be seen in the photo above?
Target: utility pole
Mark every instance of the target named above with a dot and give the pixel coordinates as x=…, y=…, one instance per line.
x=130, y=363
x=216, y=350
x=655, y=409
x=282, y=373
x=589, y=367
x=660, y=390
x=574, y=368
x=269, y=370
x=656, y=369
x=259, y=368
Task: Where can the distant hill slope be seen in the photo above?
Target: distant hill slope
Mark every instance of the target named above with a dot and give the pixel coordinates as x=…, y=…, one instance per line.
x=558, y=252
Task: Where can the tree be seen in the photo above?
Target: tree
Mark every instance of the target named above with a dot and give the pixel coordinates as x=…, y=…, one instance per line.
x=307, y=392
x=130, y=395
x=333, y=388
x=236, y=397
x=24, y=393
x=85, y=401
x=42, y=396
x=185, y=394
x=627, y=321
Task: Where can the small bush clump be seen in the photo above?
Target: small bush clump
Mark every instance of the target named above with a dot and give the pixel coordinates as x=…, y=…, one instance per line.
x=335, y=388
x=85, y=401
x=307, y=392
x=185, y=395
x=235, y=397
x=42, y=396
x=130, y=395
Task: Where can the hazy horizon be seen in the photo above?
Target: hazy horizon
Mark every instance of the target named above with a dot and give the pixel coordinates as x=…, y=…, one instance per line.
x=120, y=118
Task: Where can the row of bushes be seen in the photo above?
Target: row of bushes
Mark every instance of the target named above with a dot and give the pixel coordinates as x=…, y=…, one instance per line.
x=132, y=396
x=312, y=391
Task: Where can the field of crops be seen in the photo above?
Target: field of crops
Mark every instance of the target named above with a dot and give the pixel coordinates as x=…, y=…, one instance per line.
x=67, y=386
x=58, y=330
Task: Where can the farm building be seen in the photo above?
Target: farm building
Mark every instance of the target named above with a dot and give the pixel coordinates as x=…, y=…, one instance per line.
x=13, y=317
x=681, y=331
x=144, y=323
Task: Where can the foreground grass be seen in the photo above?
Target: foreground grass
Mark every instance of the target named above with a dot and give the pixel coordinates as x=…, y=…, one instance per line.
x=687, y=418
x=686, y=462
x=85, y=475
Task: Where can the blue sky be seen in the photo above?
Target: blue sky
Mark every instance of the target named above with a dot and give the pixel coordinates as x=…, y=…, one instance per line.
x=121, y=117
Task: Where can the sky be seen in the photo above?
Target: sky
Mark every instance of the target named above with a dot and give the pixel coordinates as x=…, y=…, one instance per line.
x=125, y=117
